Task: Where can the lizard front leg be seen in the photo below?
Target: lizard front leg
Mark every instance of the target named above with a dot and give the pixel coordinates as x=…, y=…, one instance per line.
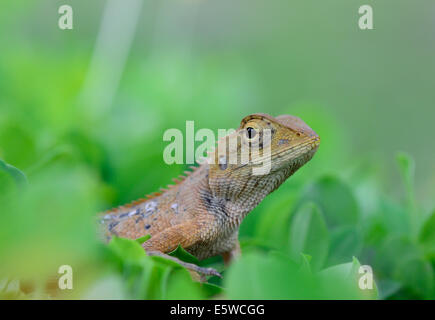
x=185, y=235
x=190, y=266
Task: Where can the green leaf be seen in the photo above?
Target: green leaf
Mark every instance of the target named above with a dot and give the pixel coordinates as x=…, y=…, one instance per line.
x=183, y=255
x=344, y=270
x=273, y=276
x=388, y=288
x=306, y=263
x=18, y=143
x=255, y=243
x=396, y=218
x=110, y=287
x=346, y=242
x=351, y=280
x=18, y=176
x=260, y=276
x=152, y=282
x=166, y=279
x=143, y=239
x=181, y=286
x=335, y=199
x=388, y=219
x=309, y=235
x=417, y=275
x=211, y=289
x=51, y=157
x=272, y=227
x=392, y=252
x=407, y=171
x=126, y=249
x=427, y=236
x=150, y=277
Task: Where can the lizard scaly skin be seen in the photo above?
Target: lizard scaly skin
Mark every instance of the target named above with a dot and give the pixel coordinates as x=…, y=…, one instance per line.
x=203, y=211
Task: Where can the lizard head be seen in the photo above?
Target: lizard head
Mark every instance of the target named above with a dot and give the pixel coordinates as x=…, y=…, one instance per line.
x=259, y=156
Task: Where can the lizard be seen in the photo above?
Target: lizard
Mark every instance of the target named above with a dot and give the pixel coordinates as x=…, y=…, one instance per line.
x=203, y=210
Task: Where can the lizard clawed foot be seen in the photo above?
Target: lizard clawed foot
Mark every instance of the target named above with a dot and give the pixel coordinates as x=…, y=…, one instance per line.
x=189, y=266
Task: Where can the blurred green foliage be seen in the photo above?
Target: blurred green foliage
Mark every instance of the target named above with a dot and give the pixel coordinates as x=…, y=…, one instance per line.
x=65, y=155
x=297, y=247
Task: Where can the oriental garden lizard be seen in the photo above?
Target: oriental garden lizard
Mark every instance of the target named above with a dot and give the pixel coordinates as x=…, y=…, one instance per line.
x=203, y=210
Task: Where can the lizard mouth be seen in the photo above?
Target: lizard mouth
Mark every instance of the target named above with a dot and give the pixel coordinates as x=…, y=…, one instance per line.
x=300, y=153
x=307, y=148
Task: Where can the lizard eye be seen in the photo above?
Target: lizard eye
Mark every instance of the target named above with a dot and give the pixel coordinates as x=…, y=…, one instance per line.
x=250, y=132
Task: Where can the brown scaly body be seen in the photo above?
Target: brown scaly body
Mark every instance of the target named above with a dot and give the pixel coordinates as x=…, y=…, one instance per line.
x=203, y=212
